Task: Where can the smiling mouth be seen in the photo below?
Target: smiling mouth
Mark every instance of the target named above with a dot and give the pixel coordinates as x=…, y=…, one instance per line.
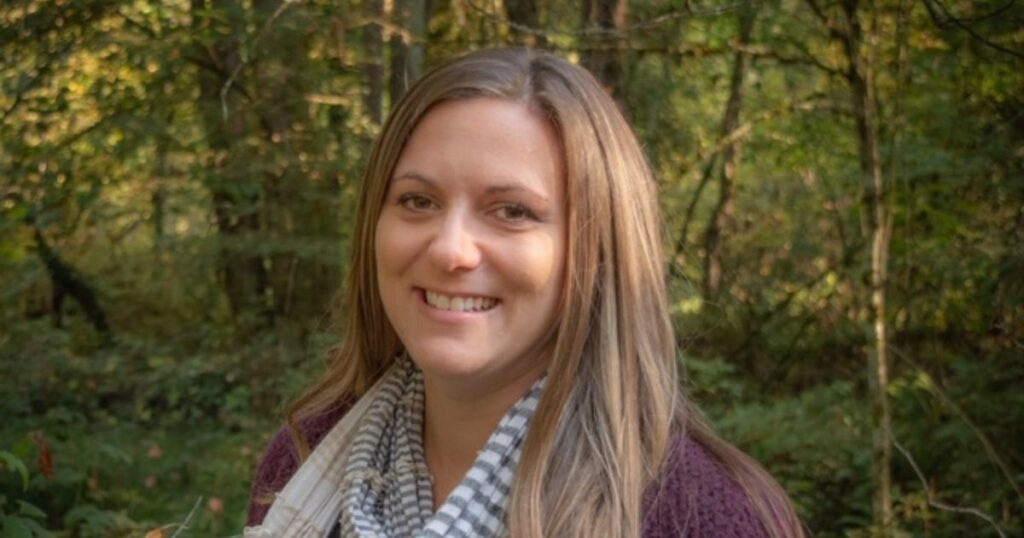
x=451, y=303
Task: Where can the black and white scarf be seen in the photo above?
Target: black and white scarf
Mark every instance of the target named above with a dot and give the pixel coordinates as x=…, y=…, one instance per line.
x=369, y=474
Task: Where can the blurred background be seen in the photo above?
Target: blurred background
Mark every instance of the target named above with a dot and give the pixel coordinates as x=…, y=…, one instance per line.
x=842, y=184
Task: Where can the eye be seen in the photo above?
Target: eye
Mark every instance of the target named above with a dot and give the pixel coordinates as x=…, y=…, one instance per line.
x=515, y=213
x=415, y=202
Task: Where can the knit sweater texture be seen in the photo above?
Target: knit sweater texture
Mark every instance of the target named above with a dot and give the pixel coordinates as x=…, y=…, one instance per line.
x=694, y=498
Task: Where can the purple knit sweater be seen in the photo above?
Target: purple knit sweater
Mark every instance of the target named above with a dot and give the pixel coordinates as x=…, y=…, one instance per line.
x=695, y=498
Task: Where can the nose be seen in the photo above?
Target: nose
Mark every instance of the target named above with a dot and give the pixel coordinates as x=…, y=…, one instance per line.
x=454, y=246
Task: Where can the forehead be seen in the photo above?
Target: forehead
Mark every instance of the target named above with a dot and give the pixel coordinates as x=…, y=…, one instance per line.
x=484, y=139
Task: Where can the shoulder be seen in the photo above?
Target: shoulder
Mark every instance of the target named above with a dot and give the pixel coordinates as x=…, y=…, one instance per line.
x=695, y=497
x=281, y=459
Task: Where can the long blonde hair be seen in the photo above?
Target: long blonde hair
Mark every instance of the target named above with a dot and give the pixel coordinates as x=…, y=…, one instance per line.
x=612, y=400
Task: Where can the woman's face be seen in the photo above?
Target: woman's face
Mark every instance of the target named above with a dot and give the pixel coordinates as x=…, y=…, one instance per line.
x=471, y=242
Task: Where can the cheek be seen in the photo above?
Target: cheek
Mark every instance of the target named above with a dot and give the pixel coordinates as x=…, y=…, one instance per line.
x=536, y=265
x=391, y=246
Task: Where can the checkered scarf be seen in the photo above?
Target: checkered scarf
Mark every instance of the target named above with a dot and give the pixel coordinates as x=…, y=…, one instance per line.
x=370, y=474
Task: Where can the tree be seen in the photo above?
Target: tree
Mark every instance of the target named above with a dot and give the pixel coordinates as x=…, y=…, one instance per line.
x=373, y=64
x=300, y=205
x=860, y=48
x=227, y=122
x=524, y=23
x=722, y=214
x=407, y=47
x=606, y=19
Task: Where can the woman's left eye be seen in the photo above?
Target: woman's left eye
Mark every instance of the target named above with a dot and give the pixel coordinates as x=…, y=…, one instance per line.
x=515, y=213
x=415, y=202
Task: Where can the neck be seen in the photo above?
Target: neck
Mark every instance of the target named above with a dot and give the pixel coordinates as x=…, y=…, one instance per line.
x=457, y=424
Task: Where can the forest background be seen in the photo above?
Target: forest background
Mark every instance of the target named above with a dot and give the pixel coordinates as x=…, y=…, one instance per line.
x=842, y=185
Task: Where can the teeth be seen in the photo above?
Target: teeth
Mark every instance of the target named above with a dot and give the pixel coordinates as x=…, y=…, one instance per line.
x=460, y=304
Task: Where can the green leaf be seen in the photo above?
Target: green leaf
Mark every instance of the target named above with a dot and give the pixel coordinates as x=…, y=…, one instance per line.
x=30, y=510
x=37, y=530
x=14, y=527
x=14, y=464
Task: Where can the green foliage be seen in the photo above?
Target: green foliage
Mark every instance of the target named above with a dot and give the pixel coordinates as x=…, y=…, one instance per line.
x=137, y=435
x=14, y=464
x=210, y=220
x=19, y=518
x=26, y=522
x=816, y=443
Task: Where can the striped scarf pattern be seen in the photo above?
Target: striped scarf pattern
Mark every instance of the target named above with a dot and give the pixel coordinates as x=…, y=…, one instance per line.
x=386, y=489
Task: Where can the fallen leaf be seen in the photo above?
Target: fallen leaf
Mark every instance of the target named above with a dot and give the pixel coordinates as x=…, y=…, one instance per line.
x=45, y=460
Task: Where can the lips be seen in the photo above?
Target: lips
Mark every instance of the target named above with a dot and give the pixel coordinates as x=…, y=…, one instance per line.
x=459, y=303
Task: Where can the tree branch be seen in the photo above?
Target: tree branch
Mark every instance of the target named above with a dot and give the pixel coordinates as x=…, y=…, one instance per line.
x=960, y=23
x=183, y=526
x=830, y=25
x=710, y=157
x=606, y=33
x=673, y=267
x=946, y=507
x=763, y=52
x=997, y=11
x=782, y=305
x=150, y=33
x=285, y=4
x=947, y=401
x=36, y=79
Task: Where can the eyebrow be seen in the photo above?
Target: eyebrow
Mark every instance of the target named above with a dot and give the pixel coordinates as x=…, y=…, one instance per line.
x=493, y=189
x=415, y=176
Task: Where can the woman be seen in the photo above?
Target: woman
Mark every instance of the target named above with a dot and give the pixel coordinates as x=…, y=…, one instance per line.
x=509, y=364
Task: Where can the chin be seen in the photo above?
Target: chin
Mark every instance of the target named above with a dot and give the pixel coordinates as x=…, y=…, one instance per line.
x=447, y=364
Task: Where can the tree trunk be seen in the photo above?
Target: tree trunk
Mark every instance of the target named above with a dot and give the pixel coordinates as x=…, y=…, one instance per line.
x=373, y=64
x=65, y=280
x=235, y=194
x=721, y=218
x=605, y=58
x=159, y=197
x=300, y=206
x=524, y=23
x=407, y=53
x=874, y=221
